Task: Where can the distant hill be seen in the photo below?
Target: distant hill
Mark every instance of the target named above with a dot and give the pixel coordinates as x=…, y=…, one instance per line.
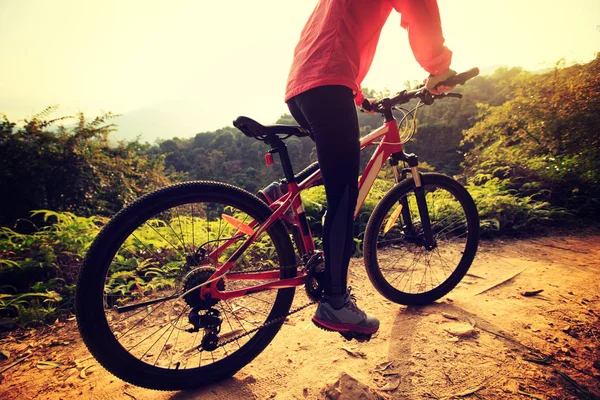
x=162, y=121
x=185, y=117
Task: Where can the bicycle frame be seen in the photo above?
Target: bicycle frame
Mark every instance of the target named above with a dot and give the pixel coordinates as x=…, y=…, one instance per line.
x=388, y=145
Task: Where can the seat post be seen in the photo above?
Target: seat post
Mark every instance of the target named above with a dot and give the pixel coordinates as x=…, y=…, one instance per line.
x=279, y=147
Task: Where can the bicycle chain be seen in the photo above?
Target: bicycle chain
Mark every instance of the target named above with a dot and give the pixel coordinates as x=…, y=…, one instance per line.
x=265, y=325
x=268, y=323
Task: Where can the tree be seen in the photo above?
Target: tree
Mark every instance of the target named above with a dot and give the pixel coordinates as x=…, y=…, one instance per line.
x=76, y=168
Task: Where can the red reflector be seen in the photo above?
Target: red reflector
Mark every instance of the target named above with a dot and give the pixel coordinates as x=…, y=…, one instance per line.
x=269, y=159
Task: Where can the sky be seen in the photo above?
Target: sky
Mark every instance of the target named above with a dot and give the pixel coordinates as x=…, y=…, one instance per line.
x=181, y=67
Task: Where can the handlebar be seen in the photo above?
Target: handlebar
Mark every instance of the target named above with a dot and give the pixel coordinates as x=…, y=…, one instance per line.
x=384, y=106
x=460, y=79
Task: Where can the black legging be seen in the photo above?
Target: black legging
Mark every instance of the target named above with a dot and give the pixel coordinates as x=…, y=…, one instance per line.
x=330, y=114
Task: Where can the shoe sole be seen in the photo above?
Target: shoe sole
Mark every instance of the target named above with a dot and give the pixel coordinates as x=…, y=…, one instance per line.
x=344, y=328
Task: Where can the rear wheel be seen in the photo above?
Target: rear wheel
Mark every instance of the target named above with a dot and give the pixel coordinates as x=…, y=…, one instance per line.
x=399, y=263
x=137, y=301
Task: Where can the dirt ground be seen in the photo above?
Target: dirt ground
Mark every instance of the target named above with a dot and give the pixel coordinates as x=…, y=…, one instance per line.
x=485, y=340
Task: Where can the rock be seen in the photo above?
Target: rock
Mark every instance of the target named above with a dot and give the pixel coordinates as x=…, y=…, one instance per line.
x=460, y=330
x=449, y=316
x=346, y=387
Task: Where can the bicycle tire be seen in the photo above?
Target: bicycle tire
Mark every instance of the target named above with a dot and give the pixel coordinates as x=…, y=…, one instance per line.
x=95, y=329
x=383, y=248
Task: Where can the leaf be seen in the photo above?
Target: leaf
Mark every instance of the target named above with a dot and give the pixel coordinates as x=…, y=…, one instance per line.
x=449, y=316
x=383, y=366
x=48, y=364
x=471, y=321
x=354, y=353
x=470, y=391
x=83, y=374
x=4, y=355
x=392, y=384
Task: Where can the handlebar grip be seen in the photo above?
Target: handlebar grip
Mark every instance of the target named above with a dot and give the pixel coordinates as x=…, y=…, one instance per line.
x=460, y=79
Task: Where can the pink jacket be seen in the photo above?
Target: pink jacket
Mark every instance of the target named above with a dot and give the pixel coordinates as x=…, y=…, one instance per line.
x=338, y=43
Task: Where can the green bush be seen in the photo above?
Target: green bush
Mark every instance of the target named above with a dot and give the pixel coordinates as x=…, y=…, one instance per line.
x=38, y=270
x=501, y=210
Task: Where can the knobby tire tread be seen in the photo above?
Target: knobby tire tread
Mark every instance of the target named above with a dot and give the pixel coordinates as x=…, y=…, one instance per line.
x=376, y=220
x=91, y=319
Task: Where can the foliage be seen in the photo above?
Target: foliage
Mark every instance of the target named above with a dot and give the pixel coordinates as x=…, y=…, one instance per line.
x=500, y=210
x=544, y=141
x=227, y=155
x=525, y=145
x=38, y=270
x=70, y=168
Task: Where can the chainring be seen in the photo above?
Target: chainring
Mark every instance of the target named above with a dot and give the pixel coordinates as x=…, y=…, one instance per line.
x=315, y=276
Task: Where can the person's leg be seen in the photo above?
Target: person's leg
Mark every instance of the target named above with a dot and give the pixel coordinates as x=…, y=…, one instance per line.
x=330, y=114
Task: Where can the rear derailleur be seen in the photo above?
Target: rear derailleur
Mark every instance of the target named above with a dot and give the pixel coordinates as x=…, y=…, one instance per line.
x=210, y=321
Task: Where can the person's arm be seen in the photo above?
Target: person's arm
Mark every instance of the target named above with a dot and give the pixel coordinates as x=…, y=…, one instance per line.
x=422, y=20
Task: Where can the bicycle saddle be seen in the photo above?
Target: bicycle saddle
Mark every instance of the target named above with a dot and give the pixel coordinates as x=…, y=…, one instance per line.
x=253, y=129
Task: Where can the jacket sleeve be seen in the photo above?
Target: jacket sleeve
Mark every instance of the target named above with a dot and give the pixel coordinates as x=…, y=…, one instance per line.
x=422, y=20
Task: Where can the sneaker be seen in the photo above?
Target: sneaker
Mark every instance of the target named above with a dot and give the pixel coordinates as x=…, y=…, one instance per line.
x=348, y=319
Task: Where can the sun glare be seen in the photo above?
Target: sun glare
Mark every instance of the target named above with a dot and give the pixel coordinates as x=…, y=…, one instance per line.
x=183, y=57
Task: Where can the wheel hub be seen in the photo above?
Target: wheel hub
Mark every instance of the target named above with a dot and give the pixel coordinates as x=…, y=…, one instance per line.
x=196, y=278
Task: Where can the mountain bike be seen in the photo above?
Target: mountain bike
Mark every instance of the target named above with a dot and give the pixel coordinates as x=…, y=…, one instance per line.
x=188, y=284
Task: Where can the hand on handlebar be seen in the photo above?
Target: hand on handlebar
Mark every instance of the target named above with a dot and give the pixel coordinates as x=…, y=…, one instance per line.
x=432, y=83
x=367, y=106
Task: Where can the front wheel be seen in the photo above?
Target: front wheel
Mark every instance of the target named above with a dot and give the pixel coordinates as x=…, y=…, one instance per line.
x=400, y=264
x=138, y=307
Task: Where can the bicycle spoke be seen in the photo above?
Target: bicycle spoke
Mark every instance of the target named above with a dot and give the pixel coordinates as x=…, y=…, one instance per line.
x=193, y=232
x=229, y=323
x=235, y=316
x=402, y=258
x=159, y=259
x=149, y=250
x=157, y=340
x=140, y=321
x=162, y=237
x=174, y=347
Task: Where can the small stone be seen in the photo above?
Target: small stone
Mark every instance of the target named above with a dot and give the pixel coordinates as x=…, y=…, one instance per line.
x=449, y=316
x=461, y=330
x=347, y=387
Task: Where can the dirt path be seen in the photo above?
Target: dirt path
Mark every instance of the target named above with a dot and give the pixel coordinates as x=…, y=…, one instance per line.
x=481, y=341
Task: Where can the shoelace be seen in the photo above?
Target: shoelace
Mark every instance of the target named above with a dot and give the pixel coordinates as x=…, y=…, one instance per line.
x=352, y=297
x=352, y=303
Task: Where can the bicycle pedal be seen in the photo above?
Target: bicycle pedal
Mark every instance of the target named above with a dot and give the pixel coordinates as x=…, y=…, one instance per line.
x=359, y=337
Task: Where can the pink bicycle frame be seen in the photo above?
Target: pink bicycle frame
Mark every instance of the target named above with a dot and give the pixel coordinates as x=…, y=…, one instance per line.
x=389, y=144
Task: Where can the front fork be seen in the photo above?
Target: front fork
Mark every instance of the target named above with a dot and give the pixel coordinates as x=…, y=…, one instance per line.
x=413, y=162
